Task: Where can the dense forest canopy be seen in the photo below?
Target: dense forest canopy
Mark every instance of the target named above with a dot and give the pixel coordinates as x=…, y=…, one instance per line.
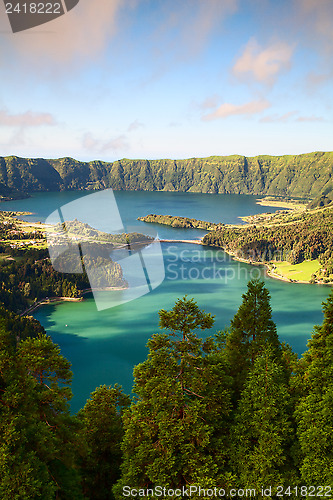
x=296, y=238
x=232, y=412
x=307, y=175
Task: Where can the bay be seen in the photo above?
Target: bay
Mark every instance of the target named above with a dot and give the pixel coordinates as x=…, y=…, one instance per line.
x=103, y=346
x=227, y=208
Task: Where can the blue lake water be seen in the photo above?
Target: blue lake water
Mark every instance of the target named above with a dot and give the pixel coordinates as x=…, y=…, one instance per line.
x=103, y=346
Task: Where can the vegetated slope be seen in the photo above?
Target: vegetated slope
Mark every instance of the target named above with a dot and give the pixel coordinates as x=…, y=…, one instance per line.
x=321, y=201
x=307, y=175
x=299, y=237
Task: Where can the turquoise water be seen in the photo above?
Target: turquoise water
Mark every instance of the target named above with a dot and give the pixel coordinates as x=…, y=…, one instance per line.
x=104, y=346
x=133, y=204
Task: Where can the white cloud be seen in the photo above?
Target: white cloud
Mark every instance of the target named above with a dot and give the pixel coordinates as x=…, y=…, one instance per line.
x=210, y=102
x=311, y=118
x=81, y=33
x=186, y=25
x=229, y=109
x=263, y=64
x=174, y=124
x=318, y=15
x=118, y=143
x=27, y=119
x=290, y=116
x=278, y=118
x=134, y=126
x=209, y=15
x=85, y=31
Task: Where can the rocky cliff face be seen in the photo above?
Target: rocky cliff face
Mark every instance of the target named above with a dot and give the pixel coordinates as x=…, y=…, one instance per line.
x=307, y=175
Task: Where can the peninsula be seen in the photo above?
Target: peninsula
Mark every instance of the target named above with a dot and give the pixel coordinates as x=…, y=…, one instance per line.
x=30, y=279
x=296, y=245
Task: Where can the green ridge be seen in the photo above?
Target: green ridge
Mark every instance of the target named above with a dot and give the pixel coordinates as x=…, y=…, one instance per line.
x=305, y=176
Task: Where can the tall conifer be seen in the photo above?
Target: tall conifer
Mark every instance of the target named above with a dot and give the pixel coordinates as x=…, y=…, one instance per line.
x=168, y=431
x=37, y=433
x=314, y=412
x=252, y=329
x=102, y=433
x=263, y=433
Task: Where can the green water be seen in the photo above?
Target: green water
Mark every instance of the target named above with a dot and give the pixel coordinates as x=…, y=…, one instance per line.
x=104, y=346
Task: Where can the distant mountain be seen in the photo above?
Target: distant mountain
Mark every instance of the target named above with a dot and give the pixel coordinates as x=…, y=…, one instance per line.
x=304, y=176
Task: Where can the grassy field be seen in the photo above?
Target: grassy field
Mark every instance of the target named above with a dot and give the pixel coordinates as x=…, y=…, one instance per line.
x=301, y=272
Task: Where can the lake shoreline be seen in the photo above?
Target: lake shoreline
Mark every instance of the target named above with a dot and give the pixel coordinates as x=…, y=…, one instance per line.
x=285, y=204
x=269, y=272
x=59, y=300
x=269, y=266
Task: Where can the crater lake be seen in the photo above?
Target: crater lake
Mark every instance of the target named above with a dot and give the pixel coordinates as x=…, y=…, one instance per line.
x=103, y=346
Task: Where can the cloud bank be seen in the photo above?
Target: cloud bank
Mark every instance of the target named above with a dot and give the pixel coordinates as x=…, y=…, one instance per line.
x=229, y=109
x=90, y=143
x=263, y=64
x=80, y=34
x=27, y=119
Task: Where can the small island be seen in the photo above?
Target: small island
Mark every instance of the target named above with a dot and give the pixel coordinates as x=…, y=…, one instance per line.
x=181, y=222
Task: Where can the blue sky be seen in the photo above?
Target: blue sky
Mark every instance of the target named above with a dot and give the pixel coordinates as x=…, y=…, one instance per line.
x=156, y=79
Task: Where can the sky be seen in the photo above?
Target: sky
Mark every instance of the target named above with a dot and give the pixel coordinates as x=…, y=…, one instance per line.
x=116, y=79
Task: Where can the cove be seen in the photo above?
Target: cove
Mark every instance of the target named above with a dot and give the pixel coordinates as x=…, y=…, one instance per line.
x=104, y=346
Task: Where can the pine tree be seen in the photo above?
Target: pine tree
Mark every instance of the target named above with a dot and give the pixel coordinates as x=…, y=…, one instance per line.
x=102, y=433
x=37, y=432
x=51, y=375
x=251, y=330
x=22, y=473
x=314, y=412
x=169, y=438
x=263, y=433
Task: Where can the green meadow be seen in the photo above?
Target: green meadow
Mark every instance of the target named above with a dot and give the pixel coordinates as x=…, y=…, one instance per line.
x=301, y=272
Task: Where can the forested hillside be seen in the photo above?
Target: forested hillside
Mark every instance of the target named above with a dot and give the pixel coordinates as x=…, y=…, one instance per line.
x=295, y=238
x=236, y=413
x=307, y=175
